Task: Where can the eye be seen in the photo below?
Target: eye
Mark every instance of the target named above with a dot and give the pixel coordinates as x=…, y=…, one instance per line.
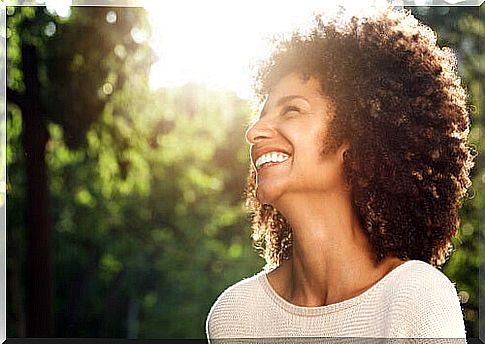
x=290, y=108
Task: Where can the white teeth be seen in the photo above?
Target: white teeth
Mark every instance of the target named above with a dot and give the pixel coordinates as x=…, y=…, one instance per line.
x=271, y=157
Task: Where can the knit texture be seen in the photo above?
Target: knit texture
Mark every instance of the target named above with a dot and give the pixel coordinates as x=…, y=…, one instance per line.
x=414, y=300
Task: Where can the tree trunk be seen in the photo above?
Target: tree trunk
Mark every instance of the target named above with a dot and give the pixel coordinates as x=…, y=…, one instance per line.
x=39, y=278
x=15, y=289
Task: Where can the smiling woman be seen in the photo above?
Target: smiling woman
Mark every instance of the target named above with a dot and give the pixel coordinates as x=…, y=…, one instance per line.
x=359, y=164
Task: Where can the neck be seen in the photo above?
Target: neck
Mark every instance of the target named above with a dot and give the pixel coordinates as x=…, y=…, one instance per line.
x=332, y=259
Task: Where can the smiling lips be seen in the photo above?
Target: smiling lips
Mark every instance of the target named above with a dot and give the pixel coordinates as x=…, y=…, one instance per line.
x=270, y=157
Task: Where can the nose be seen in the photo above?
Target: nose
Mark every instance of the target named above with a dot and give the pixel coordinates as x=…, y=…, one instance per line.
x=259, y=130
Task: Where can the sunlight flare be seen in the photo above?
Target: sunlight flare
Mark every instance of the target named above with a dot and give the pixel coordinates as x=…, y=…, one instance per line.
x=218, y=43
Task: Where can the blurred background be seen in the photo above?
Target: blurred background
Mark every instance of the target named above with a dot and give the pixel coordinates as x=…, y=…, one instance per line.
x=125, y=214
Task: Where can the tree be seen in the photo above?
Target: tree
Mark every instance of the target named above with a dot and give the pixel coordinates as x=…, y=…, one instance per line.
x=56, y=77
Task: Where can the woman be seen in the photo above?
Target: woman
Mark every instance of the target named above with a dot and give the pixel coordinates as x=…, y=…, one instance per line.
x=359, y=164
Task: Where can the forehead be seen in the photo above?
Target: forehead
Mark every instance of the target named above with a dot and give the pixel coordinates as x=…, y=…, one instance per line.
x=294, y=84
x=297, y=81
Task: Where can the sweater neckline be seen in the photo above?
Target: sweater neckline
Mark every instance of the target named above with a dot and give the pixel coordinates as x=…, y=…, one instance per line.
x=326, y=309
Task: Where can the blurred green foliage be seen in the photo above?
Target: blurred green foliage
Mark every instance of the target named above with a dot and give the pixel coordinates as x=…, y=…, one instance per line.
x=148, y=219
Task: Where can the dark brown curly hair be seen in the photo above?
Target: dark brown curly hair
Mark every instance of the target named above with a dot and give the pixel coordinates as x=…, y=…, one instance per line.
x=400, y=105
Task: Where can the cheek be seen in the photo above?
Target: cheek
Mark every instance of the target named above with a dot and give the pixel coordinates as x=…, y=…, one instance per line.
x=324, y=171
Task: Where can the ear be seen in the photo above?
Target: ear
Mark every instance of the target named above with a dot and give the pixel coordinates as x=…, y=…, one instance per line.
x=342, y=151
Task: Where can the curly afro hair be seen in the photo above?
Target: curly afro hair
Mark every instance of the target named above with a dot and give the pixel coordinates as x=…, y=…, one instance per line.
x=400, y=105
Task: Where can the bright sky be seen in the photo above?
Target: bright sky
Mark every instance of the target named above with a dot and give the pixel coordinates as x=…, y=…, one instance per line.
x=215, y=42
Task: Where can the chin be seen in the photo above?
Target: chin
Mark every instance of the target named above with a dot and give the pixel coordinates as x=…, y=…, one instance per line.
x=267, y=195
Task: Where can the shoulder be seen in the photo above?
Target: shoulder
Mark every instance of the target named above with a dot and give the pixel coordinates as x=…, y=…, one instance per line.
x=425, y=302
x=419, y=281
x=415, y=274
x=230, y=312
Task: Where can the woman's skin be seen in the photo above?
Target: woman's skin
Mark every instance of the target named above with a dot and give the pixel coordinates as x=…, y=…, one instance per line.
x=332, y=259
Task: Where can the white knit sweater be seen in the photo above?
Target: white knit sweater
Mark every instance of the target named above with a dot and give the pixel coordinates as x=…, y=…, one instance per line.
x=414, y=300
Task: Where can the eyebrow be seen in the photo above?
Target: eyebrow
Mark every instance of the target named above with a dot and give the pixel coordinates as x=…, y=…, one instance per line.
x=281, y=101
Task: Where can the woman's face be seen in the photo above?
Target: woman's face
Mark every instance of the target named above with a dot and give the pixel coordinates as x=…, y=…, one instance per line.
x=288, y=144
